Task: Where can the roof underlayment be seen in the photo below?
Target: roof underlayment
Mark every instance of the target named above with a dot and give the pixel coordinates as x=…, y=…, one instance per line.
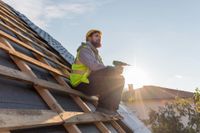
x=48, y=38
x=32, y=82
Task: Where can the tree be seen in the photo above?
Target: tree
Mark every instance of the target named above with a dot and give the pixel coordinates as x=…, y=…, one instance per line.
x=128, y=96
x=197, y=99
x=197, y=95
x=168, y=119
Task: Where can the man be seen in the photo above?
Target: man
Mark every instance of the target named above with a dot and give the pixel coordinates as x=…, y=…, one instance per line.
x=92, y=77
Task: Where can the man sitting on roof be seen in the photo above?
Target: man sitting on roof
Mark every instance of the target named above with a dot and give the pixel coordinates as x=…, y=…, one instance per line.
x=92, y=77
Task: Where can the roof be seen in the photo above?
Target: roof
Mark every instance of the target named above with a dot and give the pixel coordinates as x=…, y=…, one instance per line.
x=157, y=93
x=35, y=95
x=132, y=120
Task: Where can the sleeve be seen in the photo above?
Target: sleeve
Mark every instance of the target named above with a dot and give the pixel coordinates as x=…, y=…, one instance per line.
x=87, y=57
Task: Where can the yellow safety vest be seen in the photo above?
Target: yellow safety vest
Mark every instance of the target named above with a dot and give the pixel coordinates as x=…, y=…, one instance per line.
x=80, y=72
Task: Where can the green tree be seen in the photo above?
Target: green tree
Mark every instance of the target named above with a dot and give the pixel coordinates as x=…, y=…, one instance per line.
x=168, y=119
x=197, y=99
x=197, y=95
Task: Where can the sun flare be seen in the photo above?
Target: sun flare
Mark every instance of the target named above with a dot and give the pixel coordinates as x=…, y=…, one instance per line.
x=135, y=76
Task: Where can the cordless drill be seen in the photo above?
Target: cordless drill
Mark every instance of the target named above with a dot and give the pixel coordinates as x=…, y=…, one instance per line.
x=120, y=63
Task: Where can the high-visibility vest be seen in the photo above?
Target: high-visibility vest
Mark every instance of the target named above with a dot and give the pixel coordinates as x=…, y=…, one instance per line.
x=80, y=72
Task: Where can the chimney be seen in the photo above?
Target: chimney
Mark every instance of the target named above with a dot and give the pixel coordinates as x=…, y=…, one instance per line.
x=130, y=87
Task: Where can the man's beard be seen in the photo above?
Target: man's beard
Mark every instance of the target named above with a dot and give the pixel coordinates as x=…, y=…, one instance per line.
x=96, y=44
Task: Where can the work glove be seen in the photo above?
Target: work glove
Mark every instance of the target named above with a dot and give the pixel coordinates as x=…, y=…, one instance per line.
x=115, y=69
x=119, y=69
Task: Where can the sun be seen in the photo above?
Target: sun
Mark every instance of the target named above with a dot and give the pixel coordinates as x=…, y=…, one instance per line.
x=135, y=76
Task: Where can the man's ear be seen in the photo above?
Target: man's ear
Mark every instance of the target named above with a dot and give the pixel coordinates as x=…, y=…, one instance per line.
x=89, y=38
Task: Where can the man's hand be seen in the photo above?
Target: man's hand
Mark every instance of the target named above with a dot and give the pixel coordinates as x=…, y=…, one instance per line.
x=114, y=70
x=119, y=69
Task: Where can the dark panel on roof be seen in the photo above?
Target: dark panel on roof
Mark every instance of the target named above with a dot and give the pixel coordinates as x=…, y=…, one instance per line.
x=42, y=73
x=37, y=48
x=19, y=95
x=52, y=64
x=21, y=49
x=5, y=60
x=110, y=127
x=7, y=31
x=17, y=46
x=88, y=128
x=50, y=129
x=66, y=102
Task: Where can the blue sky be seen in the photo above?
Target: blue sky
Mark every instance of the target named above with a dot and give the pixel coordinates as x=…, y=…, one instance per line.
x=160, y=38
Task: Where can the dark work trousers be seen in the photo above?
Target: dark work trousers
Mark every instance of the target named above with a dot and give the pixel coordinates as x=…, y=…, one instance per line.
x=107, y=84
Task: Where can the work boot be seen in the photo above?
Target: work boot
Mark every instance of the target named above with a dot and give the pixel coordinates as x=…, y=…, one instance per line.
x=106, y=111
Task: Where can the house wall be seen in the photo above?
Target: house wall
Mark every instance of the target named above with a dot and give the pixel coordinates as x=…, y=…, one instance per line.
x=142, y=108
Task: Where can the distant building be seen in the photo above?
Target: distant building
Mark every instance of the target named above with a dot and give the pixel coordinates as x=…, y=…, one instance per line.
x=152, y=97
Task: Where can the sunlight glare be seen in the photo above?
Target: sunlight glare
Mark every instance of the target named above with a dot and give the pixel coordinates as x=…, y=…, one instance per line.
x=135, y=76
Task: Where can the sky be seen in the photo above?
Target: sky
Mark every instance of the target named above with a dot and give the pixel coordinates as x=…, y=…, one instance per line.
x=159, y=38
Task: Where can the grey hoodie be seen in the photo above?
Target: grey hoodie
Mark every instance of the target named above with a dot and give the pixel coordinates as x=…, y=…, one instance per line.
x=90, y=57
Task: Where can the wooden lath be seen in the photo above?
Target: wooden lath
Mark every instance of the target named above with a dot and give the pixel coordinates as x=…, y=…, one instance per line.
x=10, y=38
x=24, y=77
x=21, y=59
x=49, y=53
x=32, y=61
x=13, y=119
x=12, y=13
x=44, y=93
x=6, y=12
x=32, y=37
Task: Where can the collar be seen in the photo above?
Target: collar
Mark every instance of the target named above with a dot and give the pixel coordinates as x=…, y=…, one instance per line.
x=92, y=47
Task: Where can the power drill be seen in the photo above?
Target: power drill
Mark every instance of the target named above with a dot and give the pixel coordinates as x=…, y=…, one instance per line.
x=120, y=63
